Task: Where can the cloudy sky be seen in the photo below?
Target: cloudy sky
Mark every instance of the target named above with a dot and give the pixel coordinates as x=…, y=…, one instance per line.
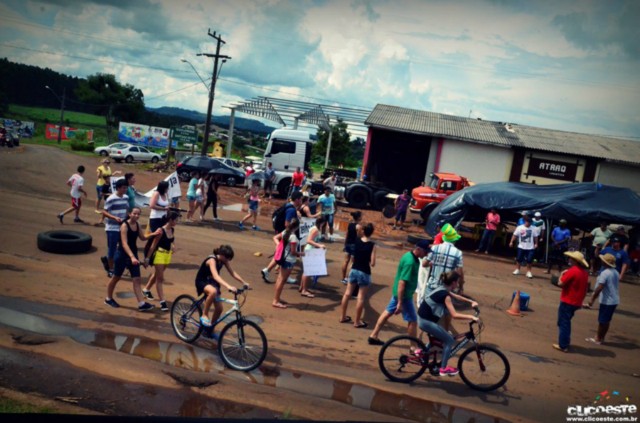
x=568, y=65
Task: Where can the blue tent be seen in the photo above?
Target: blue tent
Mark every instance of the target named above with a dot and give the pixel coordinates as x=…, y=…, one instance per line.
x=583, y=205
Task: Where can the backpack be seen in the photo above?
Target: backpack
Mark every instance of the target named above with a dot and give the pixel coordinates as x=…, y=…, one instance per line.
x=279, y=256
x=278, y=217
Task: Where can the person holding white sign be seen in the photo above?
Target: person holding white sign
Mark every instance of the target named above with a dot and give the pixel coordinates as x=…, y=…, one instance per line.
x=312, y=242
x=364, y=258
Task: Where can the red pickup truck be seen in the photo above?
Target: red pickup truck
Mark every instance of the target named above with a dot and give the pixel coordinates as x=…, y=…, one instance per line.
x=425, y=198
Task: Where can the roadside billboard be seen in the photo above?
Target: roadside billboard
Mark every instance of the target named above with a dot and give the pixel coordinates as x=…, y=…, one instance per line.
x=25, y=129
x=51, y=132
x=150, y=136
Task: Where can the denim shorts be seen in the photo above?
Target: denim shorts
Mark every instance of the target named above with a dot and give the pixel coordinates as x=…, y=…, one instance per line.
x=113, y=238
x=525, y=256
x=329, y=218
x=99, y=191
x=605, y=314
x=408, y=310
x=359, y=277
x=287, y=265
x=199, y=198
x=191, y=197
x=123, y=261
x=253, y=205
x=350, y=249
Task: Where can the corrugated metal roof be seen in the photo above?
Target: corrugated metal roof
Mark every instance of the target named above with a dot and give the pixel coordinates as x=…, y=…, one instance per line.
x=482, y=131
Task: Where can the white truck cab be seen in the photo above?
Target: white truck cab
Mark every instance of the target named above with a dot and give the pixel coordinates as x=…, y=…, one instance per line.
x=287, y=149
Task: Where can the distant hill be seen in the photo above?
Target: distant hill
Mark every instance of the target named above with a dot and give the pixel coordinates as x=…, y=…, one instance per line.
x=242, y=124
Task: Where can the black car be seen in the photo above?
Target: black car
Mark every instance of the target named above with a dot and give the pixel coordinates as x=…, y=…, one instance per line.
x=206, y=165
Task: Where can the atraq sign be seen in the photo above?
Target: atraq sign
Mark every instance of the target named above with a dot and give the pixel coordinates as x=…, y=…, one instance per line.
x=552, y=169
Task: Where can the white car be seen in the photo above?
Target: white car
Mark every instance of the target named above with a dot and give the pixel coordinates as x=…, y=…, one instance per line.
x=134, y=152
x=108, y=149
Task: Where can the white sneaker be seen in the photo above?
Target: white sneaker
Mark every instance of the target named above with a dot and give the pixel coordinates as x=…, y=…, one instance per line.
x=529, y=275
x=265, y=275
x=292, y=280
x=516, y=272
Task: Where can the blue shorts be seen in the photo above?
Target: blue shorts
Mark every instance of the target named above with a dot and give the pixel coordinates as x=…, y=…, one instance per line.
x=199, y=198
x=113, y=238
x=408, y=310
x=191, y=197
x=175, y=200
x=605, y=314
x=253, y=205
x=349, y=249
x=99, y=191
x=287, y=265
x=123, y=261
x=401, y=215
x=525, y=256
x=359, y=277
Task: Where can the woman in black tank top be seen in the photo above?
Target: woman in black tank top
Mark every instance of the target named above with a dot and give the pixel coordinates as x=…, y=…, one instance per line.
x=126, y=257
x=209, y=281
x=161, y=251
x=349, y=242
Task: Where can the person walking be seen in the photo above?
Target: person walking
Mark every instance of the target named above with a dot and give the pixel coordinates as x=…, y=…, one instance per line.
x=600, y=235
x=438, y=304
x=127, y=258
x=608, y=294
x=191, y=194
x=269, y=179
x=404, y=286
x=313, y=241
x=115, y=212
x=491, y=223
x=401, y=205
x=253, y=200
x=209, y=281
x=212, y=196
x=160, y=255
x=131, y=190
x=327, y=203
x=159, y=205
x=574, y=283
x=527, y=237
x=442, y=258
x=103, y=170
x=364, y=258
x=560, y=237
x=353, y=230
x=76, y=182
x=289, y=257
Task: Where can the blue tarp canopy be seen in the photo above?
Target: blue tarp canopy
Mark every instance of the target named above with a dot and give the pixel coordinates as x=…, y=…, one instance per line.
x=583, y=205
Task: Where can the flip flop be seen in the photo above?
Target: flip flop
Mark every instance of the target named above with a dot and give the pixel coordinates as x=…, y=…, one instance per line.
x=346, y=320
x=594, y=340
x=279, y=305
x=307, y=294
x=361, y=325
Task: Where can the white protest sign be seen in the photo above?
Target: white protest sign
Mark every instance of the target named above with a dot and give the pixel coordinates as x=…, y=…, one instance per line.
x=314, y=262
x=306, y=223
x=174, y=187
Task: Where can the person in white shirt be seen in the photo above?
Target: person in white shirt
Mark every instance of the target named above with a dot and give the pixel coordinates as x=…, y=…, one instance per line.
x=527, y=236
x=76, y=182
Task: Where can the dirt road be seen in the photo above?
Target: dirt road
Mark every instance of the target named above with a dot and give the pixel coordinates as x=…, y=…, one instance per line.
x=54, y=327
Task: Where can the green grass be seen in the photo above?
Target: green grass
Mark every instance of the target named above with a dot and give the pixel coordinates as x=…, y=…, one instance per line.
x=13, y=406
x=40, y=114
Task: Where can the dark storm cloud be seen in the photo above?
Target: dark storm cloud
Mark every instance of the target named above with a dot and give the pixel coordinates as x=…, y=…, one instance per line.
x=614, y=24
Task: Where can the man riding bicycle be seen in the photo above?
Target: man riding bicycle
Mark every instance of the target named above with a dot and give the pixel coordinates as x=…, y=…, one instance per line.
x=434, y=306
x=208, y=280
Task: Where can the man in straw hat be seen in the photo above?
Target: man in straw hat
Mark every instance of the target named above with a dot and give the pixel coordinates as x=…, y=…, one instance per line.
x=404, y=286
x=574, y=283
x=608, y=294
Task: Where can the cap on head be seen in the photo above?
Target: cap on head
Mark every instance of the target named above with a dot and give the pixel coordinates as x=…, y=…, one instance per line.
x=424, y=244
x=563, y=221
x=538, y=214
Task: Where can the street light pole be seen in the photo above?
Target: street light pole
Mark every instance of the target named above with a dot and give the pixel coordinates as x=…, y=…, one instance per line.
x=64, y=94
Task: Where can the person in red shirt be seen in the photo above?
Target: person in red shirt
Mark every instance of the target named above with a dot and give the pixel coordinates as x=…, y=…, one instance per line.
x=574, y=283
x=296, y=181
x=491, y=226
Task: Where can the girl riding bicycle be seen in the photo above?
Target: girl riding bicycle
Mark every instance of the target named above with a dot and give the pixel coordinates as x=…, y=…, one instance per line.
x=208, y=280
x=437, y=304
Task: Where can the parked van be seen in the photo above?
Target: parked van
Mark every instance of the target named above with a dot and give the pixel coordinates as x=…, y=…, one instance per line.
x=287, y=150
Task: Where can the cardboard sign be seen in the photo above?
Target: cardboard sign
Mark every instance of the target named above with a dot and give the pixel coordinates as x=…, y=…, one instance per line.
x=314, y=262
x=306, y=223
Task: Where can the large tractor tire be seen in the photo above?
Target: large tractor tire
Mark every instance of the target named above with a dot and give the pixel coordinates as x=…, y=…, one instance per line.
x=64, y=242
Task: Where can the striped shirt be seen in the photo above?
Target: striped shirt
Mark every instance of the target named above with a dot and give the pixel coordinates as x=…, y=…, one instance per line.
x=443, y=257
x=117, y=206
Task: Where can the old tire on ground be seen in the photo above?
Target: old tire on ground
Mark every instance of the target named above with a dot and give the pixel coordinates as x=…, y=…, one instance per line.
x=426, y=211
x=64, y=242
x=358, y=198
x=389, y=211
x=415, y=238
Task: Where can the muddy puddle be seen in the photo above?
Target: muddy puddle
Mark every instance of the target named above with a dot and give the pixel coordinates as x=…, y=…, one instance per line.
x=204, y=359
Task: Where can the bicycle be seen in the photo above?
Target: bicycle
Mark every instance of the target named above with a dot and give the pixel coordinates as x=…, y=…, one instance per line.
x=482, y=367
x=242, y=344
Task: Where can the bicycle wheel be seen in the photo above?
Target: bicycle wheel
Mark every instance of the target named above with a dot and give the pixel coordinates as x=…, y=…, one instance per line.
x=484, y=368
x=185, y=318
x=398, y=363
x=242, y=345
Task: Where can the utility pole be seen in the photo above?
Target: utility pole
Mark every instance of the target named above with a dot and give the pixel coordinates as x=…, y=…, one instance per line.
x=212, y=90
x=64, y=94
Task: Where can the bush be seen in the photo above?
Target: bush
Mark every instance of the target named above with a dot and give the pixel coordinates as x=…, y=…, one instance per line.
x=81, y=146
